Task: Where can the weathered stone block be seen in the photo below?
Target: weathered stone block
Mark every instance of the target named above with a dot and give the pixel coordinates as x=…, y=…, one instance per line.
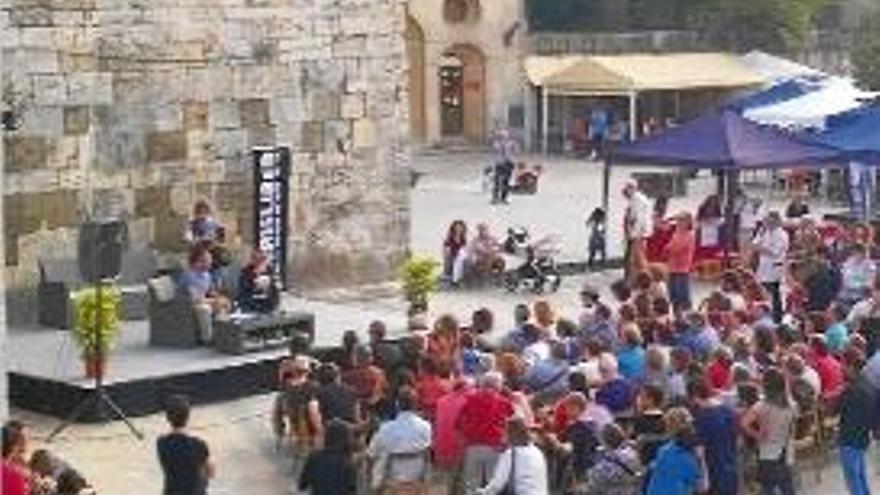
x=23, y=153
x=353, y=106
x=195, y=115
x=312, y=137
x=364, y=132
x=254, y=113
x=77, y=119
x=324, y=105
x=166, y=146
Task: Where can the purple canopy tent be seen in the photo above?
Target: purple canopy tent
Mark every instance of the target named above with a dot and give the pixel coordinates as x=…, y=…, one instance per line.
x=724, y=141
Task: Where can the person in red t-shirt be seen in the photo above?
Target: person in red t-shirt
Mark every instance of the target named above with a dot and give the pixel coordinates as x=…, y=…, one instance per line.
x=481, y=424
x=828, y=368
x=15, y=476
x=720, y=370
x=430, y=386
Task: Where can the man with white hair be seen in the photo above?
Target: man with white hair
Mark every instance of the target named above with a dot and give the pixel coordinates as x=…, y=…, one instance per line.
x=616, y=393
x=481, y=424
x=637, y=226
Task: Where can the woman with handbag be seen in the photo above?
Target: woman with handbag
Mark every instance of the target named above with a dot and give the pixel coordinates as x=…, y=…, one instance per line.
x=521, y=469
x=771, y=423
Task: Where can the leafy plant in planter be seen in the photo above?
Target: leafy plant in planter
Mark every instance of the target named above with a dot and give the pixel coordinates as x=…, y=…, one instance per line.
x=419, y=277
x=95, y=328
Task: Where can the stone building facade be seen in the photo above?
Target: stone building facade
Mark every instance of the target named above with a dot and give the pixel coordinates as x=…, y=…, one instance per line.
x=465, y=68
x=136, y=109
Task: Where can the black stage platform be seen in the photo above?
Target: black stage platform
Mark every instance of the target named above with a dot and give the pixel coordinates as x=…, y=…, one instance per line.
x=47, y=376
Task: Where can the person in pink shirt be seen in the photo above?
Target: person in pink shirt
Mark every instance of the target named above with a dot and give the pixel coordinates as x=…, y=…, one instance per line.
x=679, y=262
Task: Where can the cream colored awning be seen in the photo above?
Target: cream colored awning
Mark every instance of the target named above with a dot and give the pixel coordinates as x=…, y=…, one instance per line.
x=622, y=74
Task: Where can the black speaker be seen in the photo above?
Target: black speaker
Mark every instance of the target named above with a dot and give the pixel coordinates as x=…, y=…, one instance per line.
x=101, y=244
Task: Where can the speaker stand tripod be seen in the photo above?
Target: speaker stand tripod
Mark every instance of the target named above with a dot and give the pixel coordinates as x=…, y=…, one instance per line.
x=98, y=398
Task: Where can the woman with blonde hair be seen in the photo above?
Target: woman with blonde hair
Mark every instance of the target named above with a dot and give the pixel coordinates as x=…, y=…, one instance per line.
x=677, y=469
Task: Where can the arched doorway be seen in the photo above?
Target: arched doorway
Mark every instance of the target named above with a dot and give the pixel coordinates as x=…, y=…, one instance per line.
x=415, y=53
x=463, y=93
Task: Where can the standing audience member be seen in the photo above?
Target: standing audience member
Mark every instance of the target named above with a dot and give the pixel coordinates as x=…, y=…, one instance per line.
x=677, y=468
x=335, y=400
x=679, y=262
x=771, y=424
x=296, y=414
x=858, y=416
x=481, y=424
x=400, y=450
x=771, y=246
x=331, y=470
x=716, y=427
x=521, y=468
x=185, y=459
x=636, y=228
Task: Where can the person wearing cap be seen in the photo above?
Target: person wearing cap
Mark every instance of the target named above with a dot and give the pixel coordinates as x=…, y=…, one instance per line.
x=636, y=228
x=680, y=261
x=772, y=244
x=296, y=413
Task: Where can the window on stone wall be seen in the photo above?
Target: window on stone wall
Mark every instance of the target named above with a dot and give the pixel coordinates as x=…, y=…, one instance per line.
x=461, y=11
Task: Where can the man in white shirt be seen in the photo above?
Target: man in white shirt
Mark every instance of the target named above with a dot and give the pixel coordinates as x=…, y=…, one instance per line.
x=636, y=228
x=520, y=469
x=771, y=244
x=400, y=450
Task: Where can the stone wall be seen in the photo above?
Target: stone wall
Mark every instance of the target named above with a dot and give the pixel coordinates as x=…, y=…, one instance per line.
x=138, y=108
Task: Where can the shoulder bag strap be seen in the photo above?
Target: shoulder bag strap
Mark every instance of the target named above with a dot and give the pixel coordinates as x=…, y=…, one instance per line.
x=511, y=477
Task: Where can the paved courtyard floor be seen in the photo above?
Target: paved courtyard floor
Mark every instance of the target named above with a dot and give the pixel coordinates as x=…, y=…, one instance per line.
x=239, y=433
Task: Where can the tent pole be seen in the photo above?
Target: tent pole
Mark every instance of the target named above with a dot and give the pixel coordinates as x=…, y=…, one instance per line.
x=545, y=119
x=633, y=115
x=606, y=183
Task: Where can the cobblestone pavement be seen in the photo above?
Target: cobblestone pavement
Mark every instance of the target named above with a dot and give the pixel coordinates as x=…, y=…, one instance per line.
x=238, y=432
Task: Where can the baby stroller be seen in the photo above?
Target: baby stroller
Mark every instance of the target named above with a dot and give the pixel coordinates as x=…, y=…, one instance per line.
x=538, y=272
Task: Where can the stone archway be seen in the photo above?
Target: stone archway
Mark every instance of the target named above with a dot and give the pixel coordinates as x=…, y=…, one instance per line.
x=463, y=93
x=415, y=53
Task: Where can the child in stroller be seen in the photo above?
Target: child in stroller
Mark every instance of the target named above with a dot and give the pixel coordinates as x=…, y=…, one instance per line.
x=596, y=224
x=538, y=270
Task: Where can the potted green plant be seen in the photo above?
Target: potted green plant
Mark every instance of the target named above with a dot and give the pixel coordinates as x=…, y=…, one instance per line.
x=96, y=325
x=419, y=277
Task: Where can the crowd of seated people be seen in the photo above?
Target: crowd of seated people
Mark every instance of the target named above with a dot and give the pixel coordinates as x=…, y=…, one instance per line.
x=633, y=395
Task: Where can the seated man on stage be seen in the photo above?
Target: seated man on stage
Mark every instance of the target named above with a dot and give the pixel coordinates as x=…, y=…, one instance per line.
x=197, y=283
x=257, y=288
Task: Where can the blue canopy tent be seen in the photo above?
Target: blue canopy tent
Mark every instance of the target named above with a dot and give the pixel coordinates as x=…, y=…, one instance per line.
x=857, y=134
x=725, y=142
x=783, y=91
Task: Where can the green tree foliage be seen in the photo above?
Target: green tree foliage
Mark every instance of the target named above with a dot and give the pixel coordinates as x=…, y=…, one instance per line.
x=866, y=54
x=775, y=25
